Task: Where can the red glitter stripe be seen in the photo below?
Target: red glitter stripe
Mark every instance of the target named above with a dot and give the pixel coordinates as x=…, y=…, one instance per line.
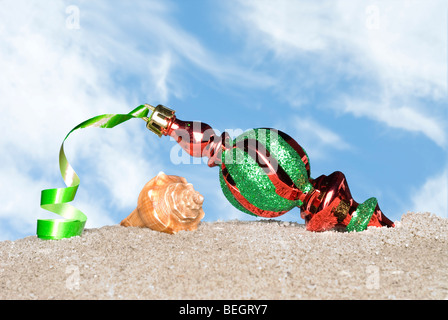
x=282, y=182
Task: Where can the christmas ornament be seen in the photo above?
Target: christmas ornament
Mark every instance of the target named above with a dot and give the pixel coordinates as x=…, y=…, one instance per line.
x=263, y=172
x=168, y=204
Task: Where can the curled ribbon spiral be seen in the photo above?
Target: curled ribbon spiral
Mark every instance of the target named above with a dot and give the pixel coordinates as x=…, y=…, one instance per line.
x=55, y=200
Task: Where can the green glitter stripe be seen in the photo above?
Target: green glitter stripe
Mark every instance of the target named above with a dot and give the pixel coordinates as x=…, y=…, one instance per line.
x=361, y=217
x=229, y=196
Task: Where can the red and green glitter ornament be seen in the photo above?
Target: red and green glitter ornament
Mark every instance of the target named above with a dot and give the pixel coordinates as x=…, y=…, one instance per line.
x=264, y=172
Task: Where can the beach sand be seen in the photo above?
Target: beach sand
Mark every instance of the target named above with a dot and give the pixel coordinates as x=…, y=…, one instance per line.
x=264, y=259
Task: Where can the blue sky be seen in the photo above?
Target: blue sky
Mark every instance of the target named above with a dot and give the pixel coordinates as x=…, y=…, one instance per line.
x=361, y=85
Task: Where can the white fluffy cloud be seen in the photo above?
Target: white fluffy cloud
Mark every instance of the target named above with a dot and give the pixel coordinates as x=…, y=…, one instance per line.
x=402, y=117
x=433, y=195
x=397, y=47
x=54, y=77
x=48, y=85
x=62, y=64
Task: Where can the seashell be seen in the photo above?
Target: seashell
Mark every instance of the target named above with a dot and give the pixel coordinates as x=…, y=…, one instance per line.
x=168, y=204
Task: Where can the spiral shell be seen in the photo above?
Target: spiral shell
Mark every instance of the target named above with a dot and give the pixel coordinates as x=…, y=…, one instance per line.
x=168, y=204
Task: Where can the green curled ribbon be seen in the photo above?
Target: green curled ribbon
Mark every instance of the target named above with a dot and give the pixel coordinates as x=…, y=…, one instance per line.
x=55, y=200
